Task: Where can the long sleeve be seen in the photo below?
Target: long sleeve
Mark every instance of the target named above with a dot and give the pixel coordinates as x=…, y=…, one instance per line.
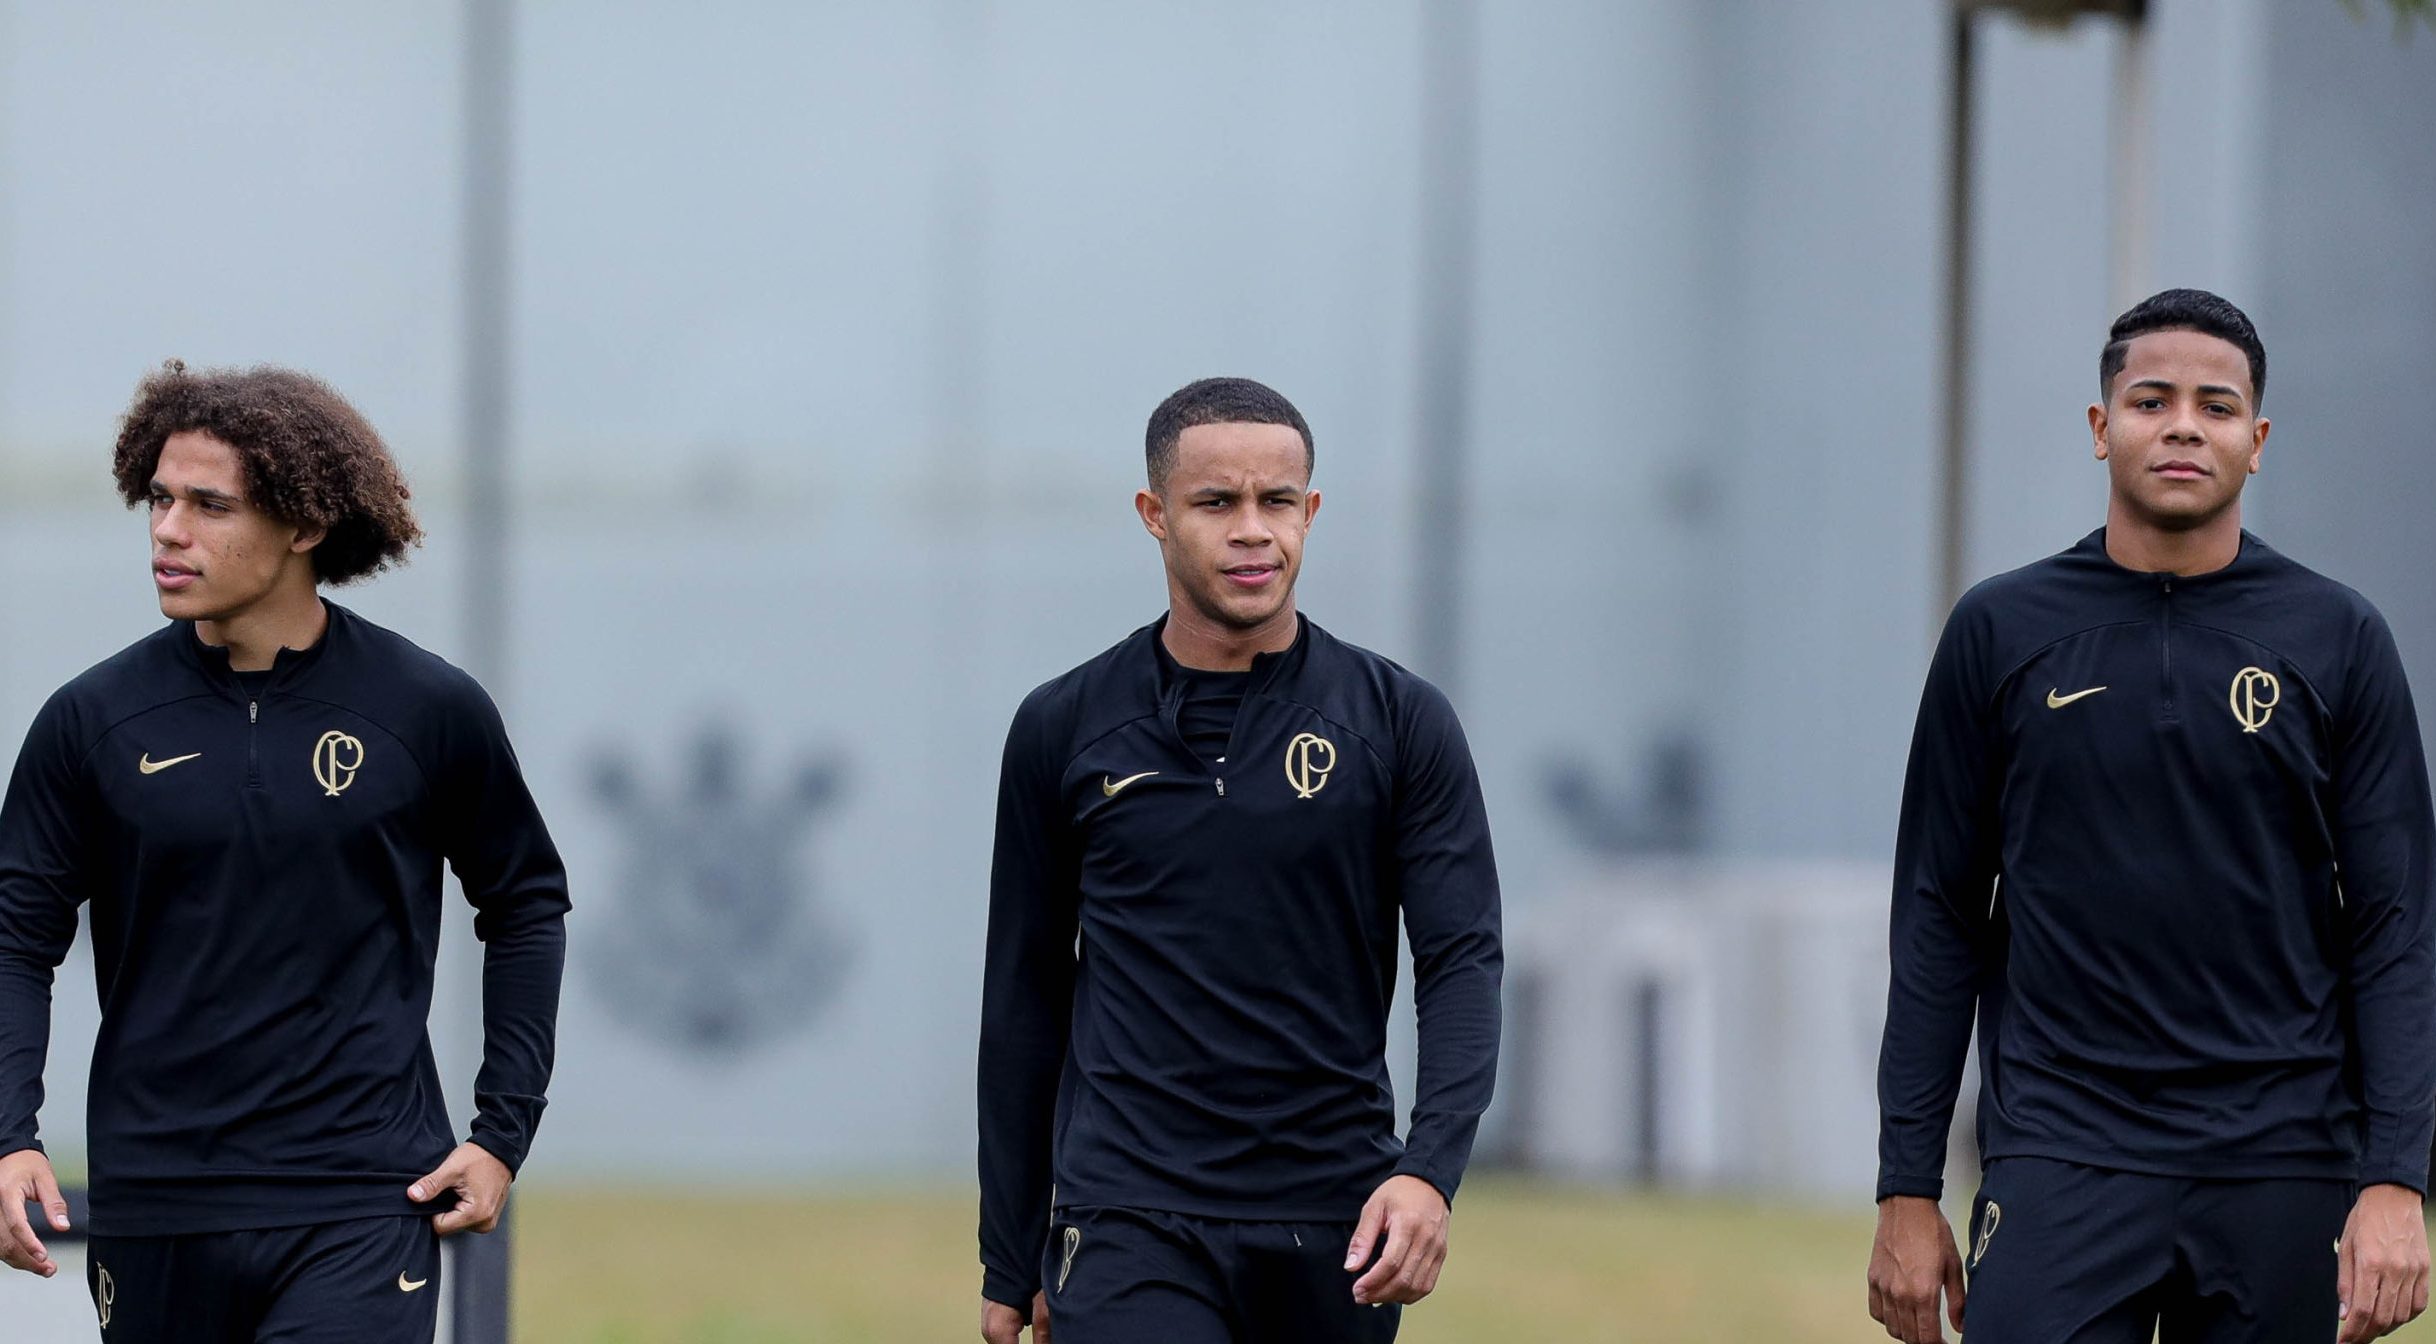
x=1446, y=878
x=513, y=878
x=1027, y=1007
x=39, y=894
x=2385, y=850
x=1945, y=871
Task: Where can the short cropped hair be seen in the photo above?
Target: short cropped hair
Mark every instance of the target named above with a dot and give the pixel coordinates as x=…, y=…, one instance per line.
x=1216, y=401
x=2183, y=310
x=308, y=457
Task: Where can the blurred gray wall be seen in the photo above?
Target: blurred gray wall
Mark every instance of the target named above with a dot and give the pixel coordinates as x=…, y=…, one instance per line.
x=834, y=328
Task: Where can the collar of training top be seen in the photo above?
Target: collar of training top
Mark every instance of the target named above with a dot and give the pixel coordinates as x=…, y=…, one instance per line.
x=286, y=666
x=1266, y=667
x=2246, y=561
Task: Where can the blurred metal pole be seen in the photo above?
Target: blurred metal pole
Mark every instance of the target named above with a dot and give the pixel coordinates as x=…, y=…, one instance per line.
x=479, y=1274
x=489, y=69
x=1954, y=492
x=1450, y=135
x=2131, y=166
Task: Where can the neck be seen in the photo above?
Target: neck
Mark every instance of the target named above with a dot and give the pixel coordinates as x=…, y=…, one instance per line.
x=255, y=636
x=2141, y=545
x=1197, y=642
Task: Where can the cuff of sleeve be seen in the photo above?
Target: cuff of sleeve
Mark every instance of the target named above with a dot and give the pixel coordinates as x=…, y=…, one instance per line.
x=490, y=1140
x=21, y=1143
x=1008, y=1291
x=1443, y=1182
x=2410, y=1176
x=1891, y=1184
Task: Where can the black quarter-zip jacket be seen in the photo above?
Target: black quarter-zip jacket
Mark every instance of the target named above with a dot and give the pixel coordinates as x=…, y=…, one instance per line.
x=2172, y=836
x=264, y=877
x=1190, y=965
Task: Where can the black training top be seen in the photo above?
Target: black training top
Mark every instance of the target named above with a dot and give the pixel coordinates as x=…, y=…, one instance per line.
x=1185, y=1005
x=264, y=873
x=2172, y=836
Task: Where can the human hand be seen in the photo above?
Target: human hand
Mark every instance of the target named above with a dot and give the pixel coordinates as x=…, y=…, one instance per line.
x=481, y=1182
x=25, y=1177
x=2381, y=1264
x=1913, y=1259
x=1411, y=1214
x=1001, y=1324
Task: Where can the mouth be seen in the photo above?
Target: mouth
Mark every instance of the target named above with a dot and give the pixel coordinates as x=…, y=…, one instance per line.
x=170, y=576
x=2181, y=469
x=1252, y=576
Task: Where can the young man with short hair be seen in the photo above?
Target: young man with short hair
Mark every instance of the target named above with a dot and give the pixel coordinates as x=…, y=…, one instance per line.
x=1205, y=837
x=2167, y=829
x=255, y=802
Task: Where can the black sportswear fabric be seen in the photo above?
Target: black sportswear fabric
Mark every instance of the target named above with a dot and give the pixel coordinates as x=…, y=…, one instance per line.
x=2170, y=838
x=1189, y=967
x=263, y=874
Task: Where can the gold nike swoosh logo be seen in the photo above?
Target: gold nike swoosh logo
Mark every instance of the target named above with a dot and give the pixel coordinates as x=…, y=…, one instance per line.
x=406, y=1287
x=2055, y=701
x=150, y=766
x=1113, y=788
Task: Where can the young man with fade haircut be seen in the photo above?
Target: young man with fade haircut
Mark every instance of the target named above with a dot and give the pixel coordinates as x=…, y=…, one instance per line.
x=2167, y=829
x=1205, y=837
x=255, y=802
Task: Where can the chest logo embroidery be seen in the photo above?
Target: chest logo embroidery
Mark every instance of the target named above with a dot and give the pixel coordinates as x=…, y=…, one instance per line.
x=336, y=758
x=2055, y=701
x=1309, y=758
x=149, y=766
x=1110, y=788
x=2255, y=692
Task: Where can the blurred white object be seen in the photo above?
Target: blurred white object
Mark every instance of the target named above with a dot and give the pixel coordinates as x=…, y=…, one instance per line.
x=1703, y=1025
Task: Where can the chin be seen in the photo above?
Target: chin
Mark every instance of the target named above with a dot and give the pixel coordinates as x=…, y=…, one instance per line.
x=2183, y=516
x=185, y=607
x=1244, y=616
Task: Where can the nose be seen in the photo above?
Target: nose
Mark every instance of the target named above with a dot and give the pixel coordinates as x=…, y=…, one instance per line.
x=168, y=527
x=1251, y=528
x=2184, y=427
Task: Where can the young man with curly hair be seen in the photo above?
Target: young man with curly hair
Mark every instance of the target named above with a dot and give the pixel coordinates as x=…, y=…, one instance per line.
x=1206, y=837
x=255, y=802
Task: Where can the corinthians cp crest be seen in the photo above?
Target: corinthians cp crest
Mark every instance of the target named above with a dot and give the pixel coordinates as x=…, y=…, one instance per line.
x=718, y=941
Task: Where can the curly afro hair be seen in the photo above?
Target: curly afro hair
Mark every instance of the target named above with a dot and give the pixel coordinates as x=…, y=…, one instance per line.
x=309, y=458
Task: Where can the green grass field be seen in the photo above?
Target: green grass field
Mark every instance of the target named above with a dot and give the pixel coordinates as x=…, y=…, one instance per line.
x=1529, y=1263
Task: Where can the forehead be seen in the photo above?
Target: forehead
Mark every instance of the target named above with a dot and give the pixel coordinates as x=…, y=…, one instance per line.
x=191, y=457
x=1236, y=453
x=2185, y=357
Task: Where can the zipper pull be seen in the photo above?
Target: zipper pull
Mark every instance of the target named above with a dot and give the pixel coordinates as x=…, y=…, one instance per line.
x=253, y=711
x=1222, y=788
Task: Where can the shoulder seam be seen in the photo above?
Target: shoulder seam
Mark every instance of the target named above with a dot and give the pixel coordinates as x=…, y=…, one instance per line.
x=1076, y=753
x=85, y=757
x=1355, y=733
x=430, y=781
x=1996, y=688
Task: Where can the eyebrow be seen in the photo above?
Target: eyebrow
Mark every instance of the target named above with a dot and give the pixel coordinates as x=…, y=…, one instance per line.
x=2205, y=389
x=202, y=492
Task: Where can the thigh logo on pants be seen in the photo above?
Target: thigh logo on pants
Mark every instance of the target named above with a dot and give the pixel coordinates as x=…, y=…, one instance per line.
x=1987, y=1230
x=104, y=1293
x=1065, y=1266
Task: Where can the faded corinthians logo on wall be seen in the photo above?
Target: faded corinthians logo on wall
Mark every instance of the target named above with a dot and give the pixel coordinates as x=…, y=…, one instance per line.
x=720, y=938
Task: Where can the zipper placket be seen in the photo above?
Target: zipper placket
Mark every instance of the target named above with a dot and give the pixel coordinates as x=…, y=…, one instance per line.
x=1175, y=732
x=253, y=737
x=1242, y=707
x=2165, y=644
